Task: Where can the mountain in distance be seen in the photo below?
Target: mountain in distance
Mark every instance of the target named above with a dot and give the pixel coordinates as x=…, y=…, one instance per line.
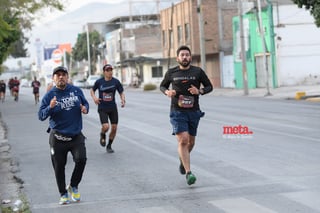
x=65, y=28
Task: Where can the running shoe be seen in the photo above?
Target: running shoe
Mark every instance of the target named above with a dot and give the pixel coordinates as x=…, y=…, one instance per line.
x=182, y=169
x=109, y=149
x=64, y=199
x=103, y=139
x=75, y=195
x=191, y=179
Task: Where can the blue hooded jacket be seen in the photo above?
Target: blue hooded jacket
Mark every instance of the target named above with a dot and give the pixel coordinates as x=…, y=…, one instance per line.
x=66, y=116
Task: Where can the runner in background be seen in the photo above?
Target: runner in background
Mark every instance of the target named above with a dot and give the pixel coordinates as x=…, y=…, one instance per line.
x=15, y=88
x=2, y=90
x=36, y=87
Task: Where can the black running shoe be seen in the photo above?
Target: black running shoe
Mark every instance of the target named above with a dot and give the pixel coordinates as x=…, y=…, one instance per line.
x=109, y=149
x=182, y=169
x=103, y=139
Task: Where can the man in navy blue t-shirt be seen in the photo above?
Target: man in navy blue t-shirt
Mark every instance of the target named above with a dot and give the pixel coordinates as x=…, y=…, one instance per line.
x=107, y=107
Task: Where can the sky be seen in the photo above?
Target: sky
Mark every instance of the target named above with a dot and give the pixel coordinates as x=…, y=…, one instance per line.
x=50, y=33
x=71, y=5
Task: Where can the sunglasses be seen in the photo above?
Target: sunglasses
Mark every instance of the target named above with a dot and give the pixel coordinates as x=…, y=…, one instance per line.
x=108, y=70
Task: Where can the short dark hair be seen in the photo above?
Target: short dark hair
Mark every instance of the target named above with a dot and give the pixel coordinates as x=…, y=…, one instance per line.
x=183, y=47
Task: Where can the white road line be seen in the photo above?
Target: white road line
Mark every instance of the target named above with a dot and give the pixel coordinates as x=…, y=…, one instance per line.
x=240, y=205
x=306, y=197
x=162, y=209
x=163, y=154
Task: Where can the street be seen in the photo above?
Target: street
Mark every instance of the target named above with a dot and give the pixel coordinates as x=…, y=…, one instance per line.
x=251, y=155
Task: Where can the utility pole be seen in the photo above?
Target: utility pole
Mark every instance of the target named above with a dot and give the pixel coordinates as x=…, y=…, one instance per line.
x=265, y=61
x=88, y=48
x=243, y=51
x=201, y=35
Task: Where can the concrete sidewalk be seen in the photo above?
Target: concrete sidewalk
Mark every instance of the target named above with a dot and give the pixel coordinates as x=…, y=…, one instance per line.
x=10, y=184
x=312, y=92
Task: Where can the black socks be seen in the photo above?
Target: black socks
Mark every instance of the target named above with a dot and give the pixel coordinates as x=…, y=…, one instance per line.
x=109, y=143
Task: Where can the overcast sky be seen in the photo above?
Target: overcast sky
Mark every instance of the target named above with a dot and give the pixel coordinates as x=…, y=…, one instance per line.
x=71, y=5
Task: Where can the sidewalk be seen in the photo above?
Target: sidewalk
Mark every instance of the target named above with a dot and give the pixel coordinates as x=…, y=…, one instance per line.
x=9, y=184
x=312, y=92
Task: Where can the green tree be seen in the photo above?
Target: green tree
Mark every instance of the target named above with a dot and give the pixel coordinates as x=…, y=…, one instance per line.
x=313, y=6
x=16, y=18
x=80, y=49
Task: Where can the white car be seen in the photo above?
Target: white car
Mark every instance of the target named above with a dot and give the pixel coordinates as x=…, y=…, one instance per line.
x=91, y=80
x=79, y=83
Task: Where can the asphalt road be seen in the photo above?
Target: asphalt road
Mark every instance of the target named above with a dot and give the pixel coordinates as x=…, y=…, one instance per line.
x=274, y=169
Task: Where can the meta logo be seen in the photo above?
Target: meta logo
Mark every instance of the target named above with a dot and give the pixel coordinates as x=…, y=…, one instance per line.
x=239, y=131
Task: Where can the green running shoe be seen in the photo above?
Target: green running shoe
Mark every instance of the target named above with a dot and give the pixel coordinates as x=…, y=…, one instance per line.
x=191, y=179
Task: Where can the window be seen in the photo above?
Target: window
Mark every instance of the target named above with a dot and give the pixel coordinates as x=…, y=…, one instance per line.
x=157, y=72
x=187, y=32
x=179, y=29
x=164, y=38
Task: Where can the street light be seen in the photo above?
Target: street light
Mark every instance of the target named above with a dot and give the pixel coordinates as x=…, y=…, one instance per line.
x=243, y=53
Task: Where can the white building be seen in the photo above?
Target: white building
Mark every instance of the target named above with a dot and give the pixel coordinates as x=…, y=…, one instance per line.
x=297, y=46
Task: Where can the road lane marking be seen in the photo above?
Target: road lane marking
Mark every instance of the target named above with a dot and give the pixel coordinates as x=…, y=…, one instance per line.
x=306, y=197
x=240, y=205
x=157, y=209
x=164, y=155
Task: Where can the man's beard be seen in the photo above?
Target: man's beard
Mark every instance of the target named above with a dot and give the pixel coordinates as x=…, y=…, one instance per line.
x=61, y=85
x=185, y=63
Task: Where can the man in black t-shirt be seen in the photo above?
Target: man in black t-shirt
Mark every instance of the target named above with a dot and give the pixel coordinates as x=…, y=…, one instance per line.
x=186, y=81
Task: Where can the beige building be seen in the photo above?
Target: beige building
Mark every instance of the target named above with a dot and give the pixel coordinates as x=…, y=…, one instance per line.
x=180, y=26
x=133, y=47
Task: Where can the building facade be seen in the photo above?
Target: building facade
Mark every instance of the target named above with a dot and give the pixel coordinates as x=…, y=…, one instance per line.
x=180, y=26
x=133, y=47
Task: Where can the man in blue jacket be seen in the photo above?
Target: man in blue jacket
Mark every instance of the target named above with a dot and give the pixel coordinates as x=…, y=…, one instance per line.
x=64, y=104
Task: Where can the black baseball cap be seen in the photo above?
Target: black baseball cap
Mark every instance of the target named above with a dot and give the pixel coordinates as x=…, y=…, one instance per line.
x=60, y=68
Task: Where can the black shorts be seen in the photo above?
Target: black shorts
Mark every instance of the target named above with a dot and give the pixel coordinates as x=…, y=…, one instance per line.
x=35, y=90
x=106, y=114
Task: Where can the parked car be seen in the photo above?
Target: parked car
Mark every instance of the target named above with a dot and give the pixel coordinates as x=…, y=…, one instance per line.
x=91, y=79
x=25, y=82
x=79, y=83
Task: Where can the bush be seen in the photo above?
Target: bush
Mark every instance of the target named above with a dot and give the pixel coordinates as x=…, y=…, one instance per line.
x=148, y=87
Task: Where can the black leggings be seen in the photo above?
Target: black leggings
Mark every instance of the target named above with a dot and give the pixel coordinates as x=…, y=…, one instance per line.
x=59, y=148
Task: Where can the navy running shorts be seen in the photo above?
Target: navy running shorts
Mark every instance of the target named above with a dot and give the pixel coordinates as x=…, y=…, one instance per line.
x=185, y=121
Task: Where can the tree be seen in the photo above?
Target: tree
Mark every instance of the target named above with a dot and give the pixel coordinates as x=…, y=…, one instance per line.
x=313, y=6
x=16, y=17
x=80, y=50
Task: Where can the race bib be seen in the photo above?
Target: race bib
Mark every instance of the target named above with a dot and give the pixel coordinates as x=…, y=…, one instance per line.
x=107, y=96
x=185, y=101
